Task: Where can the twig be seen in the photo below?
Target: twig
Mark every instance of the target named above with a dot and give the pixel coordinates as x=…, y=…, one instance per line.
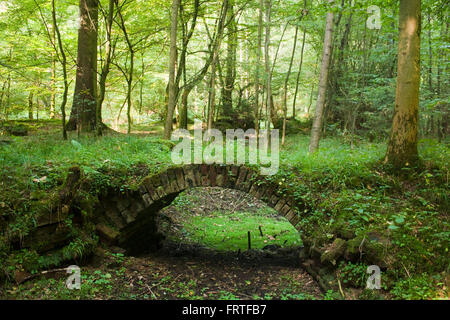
x=360, y=247
x=340, y=288
x=40, y=274
x=406, y=270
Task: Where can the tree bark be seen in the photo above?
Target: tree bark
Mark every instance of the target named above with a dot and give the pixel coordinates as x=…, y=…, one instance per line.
x=298, y=75
x=182, y=63
x=83, y=114
x=286, y=82
x=105, y=67
x=258, y=62
x=402, y=147
x=230, y=78
x=129, y=76
x=53, y=78
x=30, y=105
x=172, y=62
x=269, y=98
x=323, y=82
x=63, y=61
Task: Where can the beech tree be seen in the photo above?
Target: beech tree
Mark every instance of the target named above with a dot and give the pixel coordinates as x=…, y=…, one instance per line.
x=83, y=114
x=323, y=82
x=172, y=65
x=402, y=148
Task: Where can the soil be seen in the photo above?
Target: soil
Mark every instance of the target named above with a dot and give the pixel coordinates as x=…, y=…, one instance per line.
x=253, y=274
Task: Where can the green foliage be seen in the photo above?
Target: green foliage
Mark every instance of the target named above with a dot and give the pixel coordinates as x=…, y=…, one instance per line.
x=353, y=274
x=418, y=287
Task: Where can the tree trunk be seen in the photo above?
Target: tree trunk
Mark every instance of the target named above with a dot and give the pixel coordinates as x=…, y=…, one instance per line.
x=30, y=106
x=53, y=78
x=227, y=90
x=172, y=62
x=323, y=82
x=286, y=82
x=181, y=71
x=63, y=61
x=105, y=67
x=269, y=98
x=402, y=148
x=258, y=62
x=212, y=93
x=83, y=114
x=298, y=75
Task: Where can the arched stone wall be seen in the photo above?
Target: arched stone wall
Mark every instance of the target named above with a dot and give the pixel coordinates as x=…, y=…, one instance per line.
x=159, y=190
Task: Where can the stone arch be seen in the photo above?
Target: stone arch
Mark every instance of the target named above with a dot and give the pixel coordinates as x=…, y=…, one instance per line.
x=159, y=190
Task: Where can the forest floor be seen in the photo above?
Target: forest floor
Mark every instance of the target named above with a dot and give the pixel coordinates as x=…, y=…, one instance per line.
x=351, y=194
x=111, y=275
x=188, y=266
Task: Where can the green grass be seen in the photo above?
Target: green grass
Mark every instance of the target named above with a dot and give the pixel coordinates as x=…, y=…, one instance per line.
x=229, y=230
x=345, y=187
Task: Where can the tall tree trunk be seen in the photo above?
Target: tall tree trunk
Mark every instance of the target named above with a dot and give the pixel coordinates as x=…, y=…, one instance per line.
x=430, y=73
x=130, y=72
x=286, y=82
x=105, y=67
x=212, y=92
x=214, y=49
x=172, y=62
x=227, y=90
x=402, y=148
x=181, y=71
x=323, y=82
x=298, y=75
x=258, y=62
x=63, y=61
x=53, y=78
x=269, y=98
x=83, y=114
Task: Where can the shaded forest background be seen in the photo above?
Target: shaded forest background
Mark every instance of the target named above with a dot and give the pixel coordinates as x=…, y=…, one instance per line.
x=230, y=54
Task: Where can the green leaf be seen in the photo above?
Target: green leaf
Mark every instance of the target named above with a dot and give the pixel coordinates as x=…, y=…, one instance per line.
x=399, y=220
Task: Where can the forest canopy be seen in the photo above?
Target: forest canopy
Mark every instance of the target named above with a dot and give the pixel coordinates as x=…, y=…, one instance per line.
x=229, y=55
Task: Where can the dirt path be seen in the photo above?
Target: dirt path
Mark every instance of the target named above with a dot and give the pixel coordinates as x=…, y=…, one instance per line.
x=214, y=276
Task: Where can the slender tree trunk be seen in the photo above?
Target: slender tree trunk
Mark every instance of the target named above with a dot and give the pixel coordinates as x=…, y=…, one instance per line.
x=402, y=148
x=2, y=96
x=130, y=89
x=258, y=62
x=63, y=61
x=230, y=78
x=212, y=93
x=286, y=82
x=298, y=75
x=30, y=106
x=105, y=67
x=430, y=74
x=53, y=78
x=269, y=98
x=323, y=82
x=181, y=71
x=214, y=49
x=172, y=62
x=8, y=97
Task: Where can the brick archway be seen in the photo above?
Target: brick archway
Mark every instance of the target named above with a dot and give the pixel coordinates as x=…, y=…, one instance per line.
x=159, y=190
